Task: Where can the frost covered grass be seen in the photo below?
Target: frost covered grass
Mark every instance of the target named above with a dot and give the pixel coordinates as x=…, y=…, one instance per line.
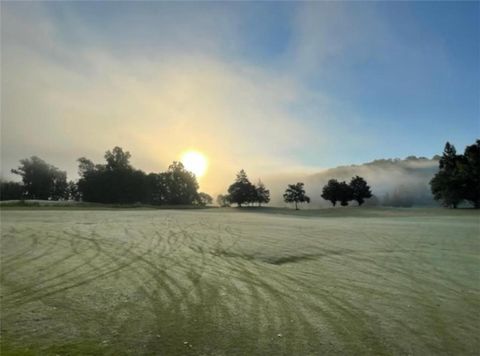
x=250, y=282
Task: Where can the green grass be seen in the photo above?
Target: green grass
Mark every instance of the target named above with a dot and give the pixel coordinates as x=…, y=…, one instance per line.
x=240, y=281
x=63, y=205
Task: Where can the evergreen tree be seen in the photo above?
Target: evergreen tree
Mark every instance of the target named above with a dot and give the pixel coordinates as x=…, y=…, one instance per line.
x=262, y=193
x=241, y=191
x=447, y=185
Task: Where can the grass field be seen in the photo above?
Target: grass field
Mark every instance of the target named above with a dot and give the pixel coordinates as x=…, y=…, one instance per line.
x=229, y=282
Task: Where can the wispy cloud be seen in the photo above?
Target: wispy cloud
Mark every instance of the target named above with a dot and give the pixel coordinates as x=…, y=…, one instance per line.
x=160, y=78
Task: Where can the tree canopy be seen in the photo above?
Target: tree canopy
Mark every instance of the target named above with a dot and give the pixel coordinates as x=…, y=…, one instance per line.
x=295, y=193
x=242, y=190
x=360, y=190
x=262, y=193
x=458, y=177
x=41, y=180
x=342, y=192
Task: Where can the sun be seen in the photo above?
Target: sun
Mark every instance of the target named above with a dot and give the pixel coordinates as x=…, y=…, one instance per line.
x=195, y=162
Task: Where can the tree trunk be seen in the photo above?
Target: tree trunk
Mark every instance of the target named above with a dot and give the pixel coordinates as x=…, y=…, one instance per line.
x=296, y=207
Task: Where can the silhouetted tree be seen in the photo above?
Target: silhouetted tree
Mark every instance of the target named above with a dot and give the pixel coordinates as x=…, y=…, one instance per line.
x=223, y=200
x=295, y=194
x=180, y=185
x=262, y=193
x=155, y=189
x=204, y=199
x=470, y=174
x=115, y=182
x=241, y=191
x=11, y=191
x=117, y=159
x=330, y=191
x=345, y=193
x=446, y=185
x=360, y=189
x=41, y=180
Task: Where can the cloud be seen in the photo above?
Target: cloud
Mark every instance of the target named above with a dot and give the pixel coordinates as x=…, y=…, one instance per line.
x=84, y=102
x=161, y=78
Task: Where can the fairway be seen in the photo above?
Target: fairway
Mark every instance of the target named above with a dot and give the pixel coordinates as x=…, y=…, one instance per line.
x=240, y=282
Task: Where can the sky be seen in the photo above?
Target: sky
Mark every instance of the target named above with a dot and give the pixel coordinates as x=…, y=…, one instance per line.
x=274, y=88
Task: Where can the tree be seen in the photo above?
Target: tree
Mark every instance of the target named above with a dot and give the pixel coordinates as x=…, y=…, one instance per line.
x=447, y=185
x=180, y=186
x=345, y=193
x=335, y=191
x=117, y=159
x=204, y=199
x=241, y=191
x=295, y=194
x=114, y=182
x=330, y=191
x=11, y=190
x=223, y=200
x=118, y=182
x=360, y=189
x=72, y=193
x=470, y=174
x=445, y=188
x=262, y=193
x=41, y=180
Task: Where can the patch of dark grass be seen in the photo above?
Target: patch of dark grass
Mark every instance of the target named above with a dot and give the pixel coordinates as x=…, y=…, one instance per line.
x=273, y=260
x=289, y=259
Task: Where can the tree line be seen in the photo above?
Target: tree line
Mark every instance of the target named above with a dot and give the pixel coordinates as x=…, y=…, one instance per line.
x=243, y=192
x=114, y=181
x=458, y=177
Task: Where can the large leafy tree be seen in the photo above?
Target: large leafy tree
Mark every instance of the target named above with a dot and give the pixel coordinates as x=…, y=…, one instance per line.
x=117, y=159
x=180, y=186
x=470, y=174
x=330, y=191
x=114, y=182
x=242, y=190
x=11, y=190
x=204, y=199
x=41, y=180
x=295, y=193
x=360, y=189
x=345, y=193
x=335, y=191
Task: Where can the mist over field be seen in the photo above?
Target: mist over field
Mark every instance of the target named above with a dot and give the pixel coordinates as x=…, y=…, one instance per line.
x=410, y=176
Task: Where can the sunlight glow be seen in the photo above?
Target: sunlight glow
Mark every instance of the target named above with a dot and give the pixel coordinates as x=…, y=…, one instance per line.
x=195, y=162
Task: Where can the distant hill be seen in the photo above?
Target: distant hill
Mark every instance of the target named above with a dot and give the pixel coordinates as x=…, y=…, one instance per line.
x=394, y=182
